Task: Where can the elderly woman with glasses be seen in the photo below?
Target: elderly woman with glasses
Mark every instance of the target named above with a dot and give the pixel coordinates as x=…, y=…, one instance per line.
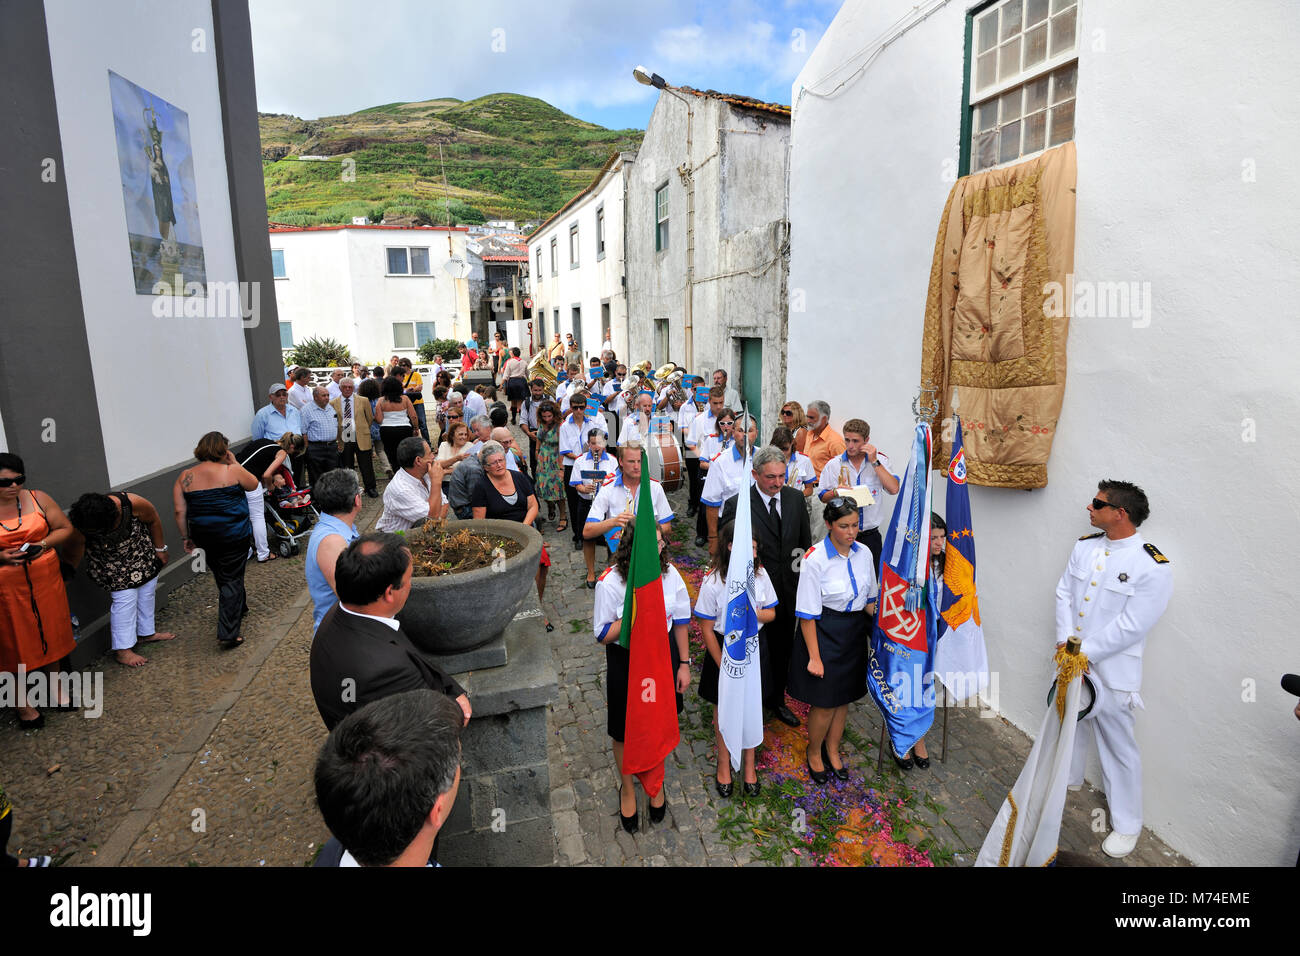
x=835, y=605
x=35, y=623
x=508, y=495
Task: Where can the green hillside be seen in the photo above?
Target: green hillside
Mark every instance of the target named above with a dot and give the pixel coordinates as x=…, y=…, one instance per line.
x=506, y=156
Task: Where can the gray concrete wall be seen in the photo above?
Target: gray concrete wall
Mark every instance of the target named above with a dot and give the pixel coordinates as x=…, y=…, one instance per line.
x=45, y=363
x=740, y=161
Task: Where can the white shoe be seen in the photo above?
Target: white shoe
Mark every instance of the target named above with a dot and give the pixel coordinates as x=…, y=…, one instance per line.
x=1119, y=844
x=1074, y=787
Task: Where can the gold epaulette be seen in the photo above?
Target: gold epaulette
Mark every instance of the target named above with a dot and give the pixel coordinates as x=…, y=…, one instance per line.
x=1156, y=556
x=1089, y=537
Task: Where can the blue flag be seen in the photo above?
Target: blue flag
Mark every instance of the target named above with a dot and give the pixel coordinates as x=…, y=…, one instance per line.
x=901, y=644
x=961, y=660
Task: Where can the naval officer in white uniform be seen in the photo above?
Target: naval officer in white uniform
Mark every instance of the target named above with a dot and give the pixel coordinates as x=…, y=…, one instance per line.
x=1113, y=591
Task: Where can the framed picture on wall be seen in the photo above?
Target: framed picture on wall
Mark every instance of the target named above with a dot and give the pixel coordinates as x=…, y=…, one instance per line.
x=158, y=190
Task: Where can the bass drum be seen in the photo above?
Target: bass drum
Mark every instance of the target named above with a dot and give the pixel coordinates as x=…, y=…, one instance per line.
x=666, y=461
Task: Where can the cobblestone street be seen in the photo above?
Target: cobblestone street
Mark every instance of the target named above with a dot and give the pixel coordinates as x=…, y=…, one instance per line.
x=204, y=757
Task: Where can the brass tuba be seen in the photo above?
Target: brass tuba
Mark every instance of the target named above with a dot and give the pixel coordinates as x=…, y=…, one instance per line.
x=539, y=366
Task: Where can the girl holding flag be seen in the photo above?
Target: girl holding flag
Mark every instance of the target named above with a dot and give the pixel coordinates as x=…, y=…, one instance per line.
x=835, y=604
x=607, y=621
x=710, y=604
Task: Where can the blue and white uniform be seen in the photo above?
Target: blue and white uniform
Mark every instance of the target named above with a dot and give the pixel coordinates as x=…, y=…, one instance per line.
x=573, y=436
x=727, y=476
x=829, y=581
x=614, y=498
x=840, y=473
x=611, y=590
x=607, y=464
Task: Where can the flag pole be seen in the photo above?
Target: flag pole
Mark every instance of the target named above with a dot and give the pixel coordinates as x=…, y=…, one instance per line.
x=944, y=757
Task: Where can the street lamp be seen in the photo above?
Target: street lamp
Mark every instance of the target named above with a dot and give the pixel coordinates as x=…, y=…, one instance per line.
x=646, y=78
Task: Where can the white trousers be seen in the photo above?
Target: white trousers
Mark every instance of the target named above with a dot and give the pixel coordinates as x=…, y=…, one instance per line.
x=1121, y=764
x=131, y=615
x=257, y=515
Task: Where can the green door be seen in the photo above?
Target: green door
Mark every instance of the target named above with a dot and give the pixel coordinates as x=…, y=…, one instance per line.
x=751, y=379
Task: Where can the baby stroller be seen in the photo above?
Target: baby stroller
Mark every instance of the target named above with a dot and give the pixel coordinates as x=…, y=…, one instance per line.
x=290, y=513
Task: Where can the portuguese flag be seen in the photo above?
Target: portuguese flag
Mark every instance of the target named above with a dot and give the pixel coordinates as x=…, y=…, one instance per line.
x=651, y=732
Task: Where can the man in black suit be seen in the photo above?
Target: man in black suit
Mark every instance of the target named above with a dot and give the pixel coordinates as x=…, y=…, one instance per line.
x=359, y=653
x=782, y=532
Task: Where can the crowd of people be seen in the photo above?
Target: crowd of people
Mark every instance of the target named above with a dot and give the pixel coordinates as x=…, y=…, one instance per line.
x=452, y=454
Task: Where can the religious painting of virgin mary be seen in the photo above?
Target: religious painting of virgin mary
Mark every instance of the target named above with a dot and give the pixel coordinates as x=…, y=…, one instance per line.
x=158, y=189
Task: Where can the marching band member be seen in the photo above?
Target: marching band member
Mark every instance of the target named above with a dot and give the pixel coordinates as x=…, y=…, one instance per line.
x=594, y=459
x=616, y=502
x=727, y=473
x=710, y=603
x=607, y=619
x=573, y=441
x=686, y=416
x=861, y=464
x=637, y=425
x=835, y=603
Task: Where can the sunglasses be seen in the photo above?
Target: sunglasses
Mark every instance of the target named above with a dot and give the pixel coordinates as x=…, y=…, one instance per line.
x=1098, y=504
x=840, y=502
x=786, y=411
x=725, y=423
x=6, y=482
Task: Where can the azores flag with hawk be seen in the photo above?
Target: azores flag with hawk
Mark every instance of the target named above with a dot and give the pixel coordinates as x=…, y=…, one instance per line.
x=740, y=687
x=902, y=648
x=652, y=731
x=961, y=661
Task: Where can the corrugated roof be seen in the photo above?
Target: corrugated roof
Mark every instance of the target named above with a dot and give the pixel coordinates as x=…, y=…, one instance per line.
x=745, y=102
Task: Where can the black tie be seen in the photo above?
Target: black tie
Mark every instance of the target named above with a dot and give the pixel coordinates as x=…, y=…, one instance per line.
x=776, y=515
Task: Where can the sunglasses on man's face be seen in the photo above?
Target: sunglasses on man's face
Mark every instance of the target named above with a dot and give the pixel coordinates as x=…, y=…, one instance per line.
x=7, y=482
x=1098, y=504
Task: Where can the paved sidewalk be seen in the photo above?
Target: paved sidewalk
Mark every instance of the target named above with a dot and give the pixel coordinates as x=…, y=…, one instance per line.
x=204, y=757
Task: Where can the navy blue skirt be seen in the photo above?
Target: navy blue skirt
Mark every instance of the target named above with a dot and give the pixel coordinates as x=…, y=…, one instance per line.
x=843, y=642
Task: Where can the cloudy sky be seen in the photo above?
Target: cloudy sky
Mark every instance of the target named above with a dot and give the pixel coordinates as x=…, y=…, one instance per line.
x=323, y=57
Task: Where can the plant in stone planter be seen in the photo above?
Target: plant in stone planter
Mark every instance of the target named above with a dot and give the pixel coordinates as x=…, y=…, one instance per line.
x=437, y=551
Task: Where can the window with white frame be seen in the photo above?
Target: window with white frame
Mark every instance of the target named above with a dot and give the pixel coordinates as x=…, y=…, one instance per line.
x=411, y=335
x=408, y=260
x=277, y=263
x=555, y=256
x=1024, y=65
x=573, y=246
x=600, y=232
x=661, y=218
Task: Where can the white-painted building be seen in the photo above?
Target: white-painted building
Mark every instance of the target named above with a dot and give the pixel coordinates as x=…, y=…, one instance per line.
x=712, y=247
x=1185, y=127
x=576, y=264
x=380, y=290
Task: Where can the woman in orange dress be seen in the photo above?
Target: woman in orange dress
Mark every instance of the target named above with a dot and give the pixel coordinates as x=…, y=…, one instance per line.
x=35, y=624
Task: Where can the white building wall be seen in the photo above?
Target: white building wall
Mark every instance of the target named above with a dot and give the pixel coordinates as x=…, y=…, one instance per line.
x=740, y=173
x=1185, y=127
x=594, y=281
x=336, y=285
x=146, y=357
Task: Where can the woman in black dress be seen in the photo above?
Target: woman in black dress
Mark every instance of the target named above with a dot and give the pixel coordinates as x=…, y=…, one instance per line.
x=508, y=495
x=835, y=605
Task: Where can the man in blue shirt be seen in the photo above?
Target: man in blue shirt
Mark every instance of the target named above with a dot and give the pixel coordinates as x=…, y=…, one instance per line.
x=324, y=431
x=337, y=496
x=277, y=418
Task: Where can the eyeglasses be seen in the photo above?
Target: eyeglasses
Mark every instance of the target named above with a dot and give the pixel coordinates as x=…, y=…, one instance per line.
x=6, y=482
x=786, y=411
x=1098, y=504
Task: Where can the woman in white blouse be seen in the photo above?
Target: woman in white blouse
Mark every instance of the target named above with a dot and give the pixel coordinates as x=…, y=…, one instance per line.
x=835, y=604
x=711, y=604
x=607, y=620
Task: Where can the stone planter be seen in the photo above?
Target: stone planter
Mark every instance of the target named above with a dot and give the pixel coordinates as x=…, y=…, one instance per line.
x=455, y=613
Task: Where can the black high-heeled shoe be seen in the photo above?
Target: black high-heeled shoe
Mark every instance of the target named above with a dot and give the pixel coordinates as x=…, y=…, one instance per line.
x=841, y=773
x=725, y=790
x=904, y=763
x=751, y=789
x=657, y=813
x=818, y=776
x=921, y=762
x=630, y=824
